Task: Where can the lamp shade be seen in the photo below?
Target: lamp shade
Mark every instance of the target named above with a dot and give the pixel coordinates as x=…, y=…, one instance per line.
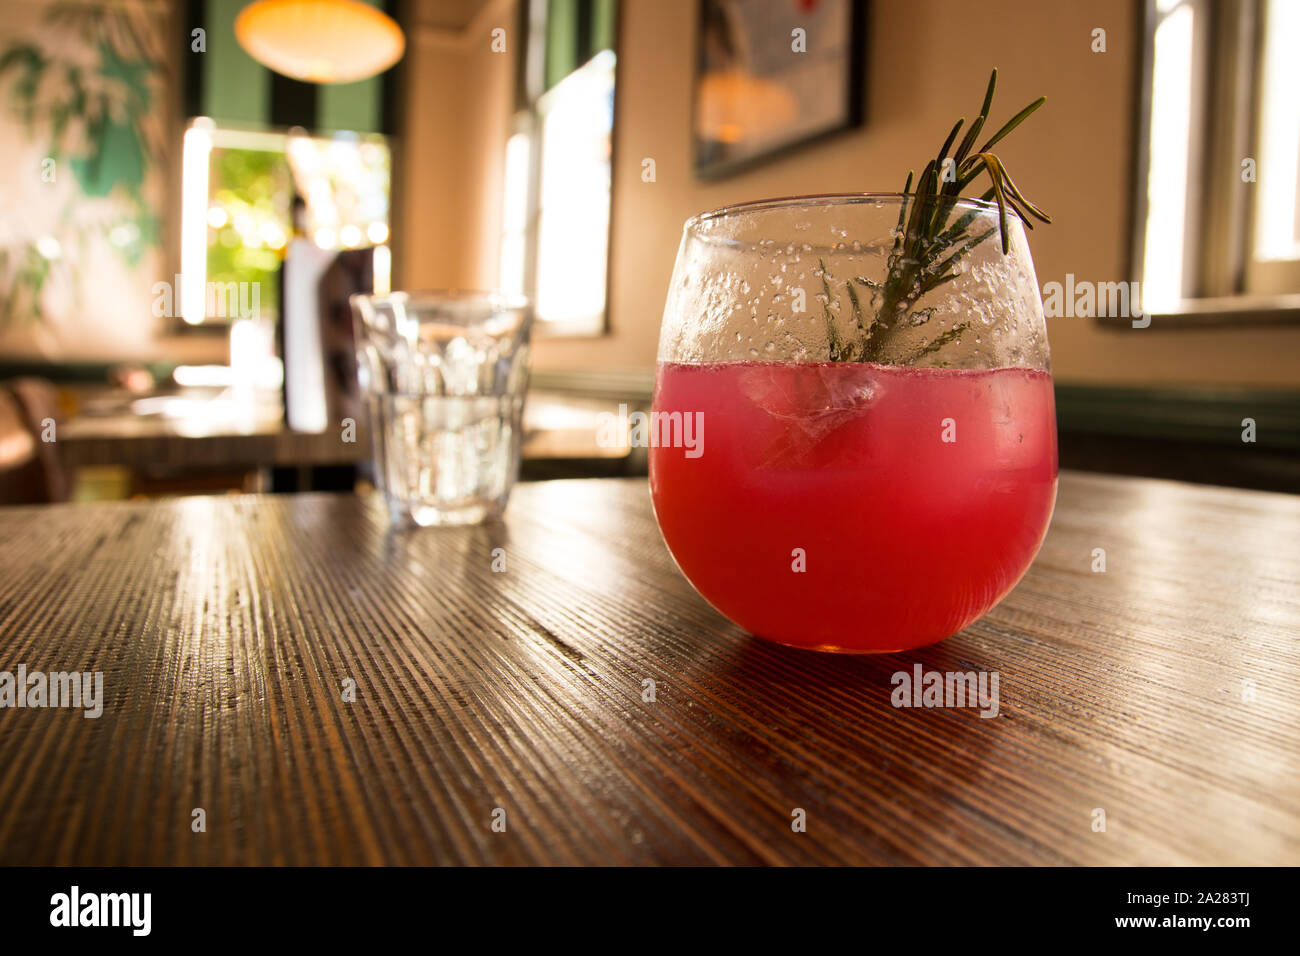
x=320, y=41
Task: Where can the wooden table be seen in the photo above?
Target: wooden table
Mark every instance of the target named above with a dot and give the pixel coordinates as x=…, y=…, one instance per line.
x=1163, y=691
x=556, y=427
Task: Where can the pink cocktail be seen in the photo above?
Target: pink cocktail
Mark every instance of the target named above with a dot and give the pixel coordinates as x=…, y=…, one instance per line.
x=855, y=507
x=873, y=464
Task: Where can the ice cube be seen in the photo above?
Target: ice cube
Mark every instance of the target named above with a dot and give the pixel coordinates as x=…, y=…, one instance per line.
x=815, y=399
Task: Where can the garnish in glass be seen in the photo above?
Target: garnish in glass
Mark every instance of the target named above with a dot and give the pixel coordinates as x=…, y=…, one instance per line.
x=927, y=250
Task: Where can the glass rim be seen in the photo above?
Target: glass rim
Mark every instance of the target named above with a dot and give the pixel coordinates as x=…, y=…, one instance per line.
x=496, y=300
x=821, y=199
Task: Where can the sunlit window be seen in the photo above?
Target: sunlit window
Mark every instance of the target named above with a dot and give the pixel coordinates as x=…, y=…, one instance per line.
x=1220, y=192
x=555, y=223
x=1170, y=146
x=238, y=211
x=514, y=239
x=573, y=208
x=1278, y=214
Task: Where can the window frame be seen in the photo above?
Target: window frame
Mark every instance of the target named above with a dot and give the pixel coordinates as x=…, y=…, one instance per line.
x=527, y=120
x=1234, y=289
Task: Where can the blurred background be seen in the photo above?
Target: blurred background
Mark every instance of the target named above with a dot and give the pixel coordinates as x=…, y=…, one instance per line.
x=191, y=190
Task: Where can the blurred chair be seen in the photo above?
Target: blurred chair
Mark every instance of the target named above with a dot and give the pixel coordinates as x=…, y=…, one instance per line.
x=30, y=470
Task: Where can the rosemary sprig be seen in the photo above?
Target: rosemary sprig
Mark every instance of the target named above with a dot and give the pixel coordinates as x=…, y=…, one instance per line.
x=927, y=250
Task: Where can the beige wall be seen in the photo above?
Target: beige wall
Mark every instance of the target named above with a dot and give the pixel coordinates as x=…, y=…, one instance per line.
x=430, y=168
x=447, y=200
x=928, y=61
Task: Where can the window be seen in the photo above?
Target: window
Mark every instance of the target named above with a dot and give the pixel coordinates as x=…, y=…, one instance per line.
x=558, y=170
x=1218, y=204
x=237, y=218
x=1276, y=243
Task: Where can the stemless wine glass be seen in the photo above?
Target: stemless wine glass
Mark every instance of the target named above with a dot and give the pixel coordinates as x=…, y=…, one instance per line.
x=853, y=441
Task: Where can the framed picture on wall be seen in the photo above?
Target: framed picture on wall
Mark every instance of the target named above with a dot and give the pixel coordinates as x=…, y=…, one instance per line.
x=772, y=75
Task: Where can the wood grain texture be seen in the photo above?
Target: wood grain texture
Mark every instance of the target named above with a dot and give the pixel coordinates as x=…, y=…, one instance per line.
x=225, y=626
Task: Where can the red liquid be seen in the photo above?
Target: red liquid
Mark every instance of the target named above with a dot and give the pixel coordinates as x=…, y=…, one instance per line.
x=906, y=537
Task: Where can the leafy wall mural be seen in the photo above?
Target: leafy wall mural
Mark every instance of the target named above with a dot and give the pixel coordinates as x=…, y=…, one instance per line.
x=80, y=82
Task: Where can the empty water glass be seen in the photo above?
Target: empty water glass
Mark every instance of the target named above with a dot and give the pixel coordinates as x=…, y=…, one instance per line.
x=443, y=375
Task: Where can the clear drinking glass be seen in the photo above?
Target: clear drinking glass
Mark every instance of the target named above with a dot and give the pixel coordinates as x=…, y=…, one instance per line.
x=853, y=436
x=444, y=376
